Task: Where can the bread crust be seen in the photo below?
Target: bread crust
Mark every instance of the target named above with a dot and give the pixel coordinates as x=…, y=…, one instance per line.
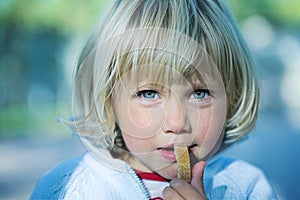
x=183, y=162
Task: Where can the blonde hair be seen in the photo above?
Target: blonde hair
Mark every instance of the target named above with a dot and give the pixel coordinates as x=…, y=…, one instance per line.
x=135, y=32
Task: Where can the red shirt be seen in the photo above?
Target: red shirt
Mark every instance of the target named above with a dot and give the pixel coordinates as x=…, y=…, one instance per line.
x=154, y=183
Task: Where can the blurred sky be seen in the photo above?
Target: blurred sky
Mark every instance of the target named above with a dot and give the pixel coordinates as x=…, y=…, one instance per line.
x=39, y=42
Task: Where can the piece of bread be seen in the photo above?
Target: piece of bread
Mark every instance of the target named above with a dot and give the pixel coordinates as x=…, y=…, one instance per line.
x=183, y=162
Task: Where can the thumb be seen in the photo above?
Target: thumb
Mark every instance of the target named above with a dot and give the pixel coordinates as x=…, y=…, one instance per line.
x=197, y=176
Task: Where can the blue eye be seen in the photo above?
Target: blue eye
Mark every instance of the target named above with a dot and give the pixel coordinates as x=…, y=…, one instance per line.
x=200, y=94
x=147, y=94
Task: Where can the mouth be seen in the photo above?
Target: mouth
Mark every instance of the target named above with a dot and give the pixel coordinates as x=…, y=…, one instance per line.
x=167, y=152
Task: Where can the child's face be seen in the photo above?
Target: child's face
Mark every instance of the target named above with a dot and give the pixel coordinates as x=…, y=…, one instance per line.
x=153, y=117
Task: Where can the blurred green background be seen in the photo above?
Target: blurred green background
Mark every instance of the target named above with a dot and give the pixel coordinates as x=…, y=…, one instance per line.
x=35, y=70
x=39, y=43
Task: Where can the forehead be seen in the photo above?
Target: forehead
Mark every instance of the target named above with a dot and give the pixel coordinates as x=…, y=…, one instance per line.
x=165, y=68
x=159, y=56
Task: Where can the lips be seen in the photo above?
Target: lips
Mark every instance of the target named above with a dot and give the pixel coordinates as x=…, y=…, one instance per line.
x=167, y=152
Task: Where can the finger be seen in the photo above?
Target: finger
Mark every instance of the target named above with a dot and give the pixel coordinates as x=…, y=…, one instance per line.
x=197, y=176
x=169, y=194
x=185, y=190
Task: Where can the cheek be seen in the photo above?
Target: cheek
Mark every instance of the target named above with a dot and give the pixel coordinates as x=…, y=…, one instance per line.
x=142, y=122
x=218, y=121
x=210, y=130
x=134, y=144
x=138, y=145
x=139, y=117
x=131, y=119
x=209, y=126
x=203, y=124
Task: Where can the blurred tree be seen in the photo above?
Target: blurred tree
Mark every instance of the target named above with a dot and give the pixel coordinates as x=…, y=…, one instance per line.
x=79, y=15
x=33, y=35
x=66, y=16
x=278, y=12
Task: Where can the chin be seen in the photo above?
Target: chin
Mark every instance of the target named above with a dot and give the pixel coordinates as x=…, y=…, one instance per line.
x=168, y=172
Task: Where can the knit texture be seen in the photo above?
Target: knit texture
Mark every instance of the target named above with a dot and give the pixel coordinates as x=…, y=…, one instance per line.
x=87, y=178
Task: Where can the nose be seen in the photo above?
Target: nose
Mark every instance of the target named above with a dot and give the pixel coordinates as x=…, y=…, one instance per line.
x=176, y=120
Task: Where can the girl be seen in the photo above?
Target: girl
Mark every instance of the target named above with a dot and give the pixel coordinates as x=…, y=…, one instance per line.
x=154, y=74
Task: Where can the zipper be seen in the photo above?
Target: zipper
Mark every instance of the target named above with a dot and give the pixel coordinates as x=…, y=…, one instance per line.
x=140, y=183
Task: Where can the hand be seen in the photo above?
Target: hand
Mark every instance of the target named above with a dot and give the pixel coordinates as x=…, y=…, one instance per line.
x=180, y=189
